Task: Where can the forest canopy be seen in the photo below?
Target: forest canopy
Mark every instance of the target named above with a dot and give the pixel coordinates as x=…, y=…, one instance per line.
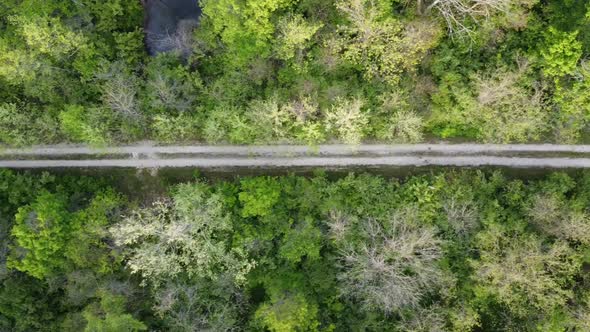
x=446, y=251
x=297, y=71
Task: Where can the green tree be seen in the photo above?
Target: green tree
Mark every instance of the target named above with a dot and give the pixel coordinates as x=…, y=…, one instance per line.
x=259, y=195
x=26, y=304
x=532, y=281
x=302, y=240
x=561, y=53
x=86, y=248
x=288, y=313
x=94, y=125
x=110, y=316
x=379, y=44
x=23, y=125
x=245, y=27
x=41, y=232
x=574, y=106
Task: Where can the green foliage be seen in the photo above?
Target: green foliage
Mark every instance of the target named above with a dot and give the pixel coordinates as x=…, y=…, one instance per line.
x=86, y=248
x=284, y=71
x=41, y=231
x=170, y=86
x=302, y=241
x=26, y=305
x=574, y=104
x=110, y=316
x=245, y=27
x=259, y=195
x=47, y=36
x=560, y=53
x=378, y=43
x=288, y=313
x=570, y=16
x=295, y=36
x=499, y=107
x=50, y=239
x=169, y=128
x=21, y=125
x=464, y=251
x=87, y=124
x=130, y=47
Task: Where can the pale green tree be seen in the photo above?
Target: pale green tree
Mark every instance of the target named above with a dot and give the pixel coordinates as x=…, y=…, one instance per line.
x=295, y=36
x=183, y=236
x=506, y=110
x=549, y=213
x=347, y=120
x=379, y=44
x=523, y=273
x=404, y=126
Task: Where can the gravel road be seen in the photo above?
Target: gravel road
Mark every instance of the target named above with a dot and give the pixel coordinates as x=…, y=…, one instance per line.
x=281, y=156
x=332, y=149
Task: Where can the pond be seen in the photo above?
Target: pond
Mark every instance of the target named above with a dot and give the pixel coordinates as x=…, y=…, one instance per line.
x=169, y=25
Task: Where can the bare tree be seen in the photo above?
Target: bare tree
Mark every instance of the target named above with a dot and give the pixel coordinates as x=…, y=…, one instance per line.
x=454, y=12
x=423, y=320
x=395, y=266
x=338, y=225
x=119, y=90
x=508, y=108
x=195, y=307
x=180, y=40
x=461, y=215
x=169, y=92
x=552, y=216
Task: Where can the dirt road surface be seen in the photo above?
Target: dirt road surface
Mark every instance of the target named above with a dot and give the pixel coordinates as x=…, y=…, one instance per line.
x=281, y=156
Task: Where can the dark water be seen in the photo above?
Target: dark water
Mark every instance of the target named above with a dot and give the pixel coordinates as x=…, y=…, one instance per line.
x=165, y=22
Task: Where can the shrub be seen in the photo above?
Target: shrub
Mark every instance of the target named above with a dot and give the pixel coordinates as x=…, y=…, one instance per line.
x=21, y=125
x=405, y=127
x=183, y=127
x=92, y=124
x=561, y=53
x=347, y=120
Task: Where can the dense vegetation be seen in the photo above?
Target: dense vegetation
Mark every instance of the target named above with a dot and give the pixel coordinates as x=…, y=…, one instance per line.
x=305, y=71
x=453, y=251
